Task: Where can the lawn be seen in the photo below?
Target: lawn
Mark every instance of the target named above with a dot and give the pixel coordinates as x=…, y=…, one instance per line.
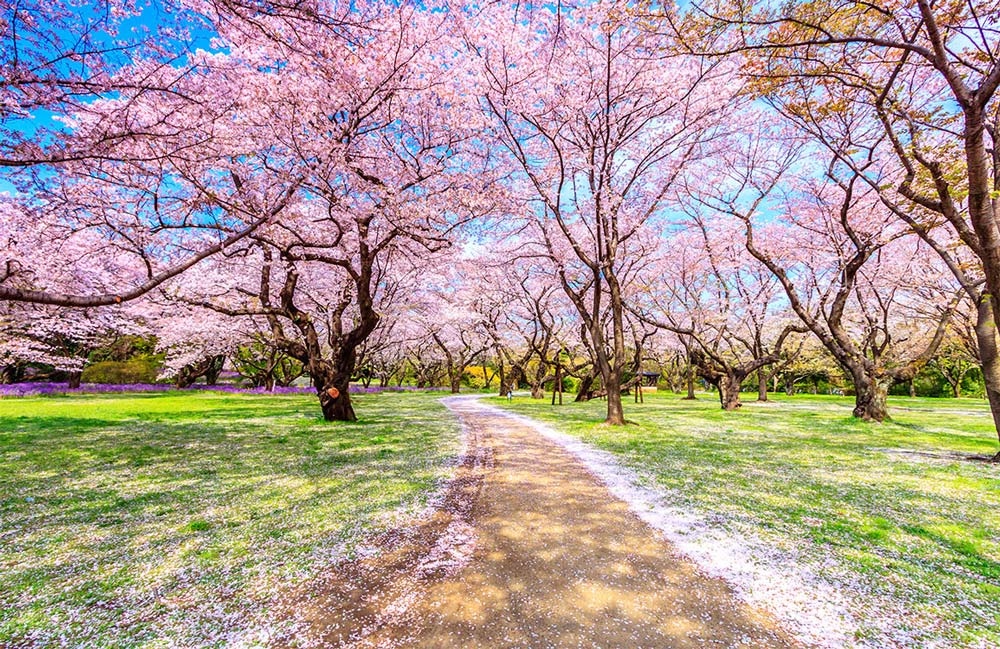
x=884, y=513
x=182, y=519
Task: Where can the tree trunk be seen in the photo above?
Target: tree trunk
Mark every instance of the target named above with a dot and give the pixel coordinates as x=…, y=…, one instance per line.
x=502, y=375
x=989, y=357
x=213, y=370
x=333, y=389
x=456, y=382
x=585, y=389
x=690, y=383
x=616, y=412
x=761, y=385
x=74, y=379
x=12, y=373
x=913, y=389
x=509, y=381
x=729, y=391
x=870, y=399
x=537, y=391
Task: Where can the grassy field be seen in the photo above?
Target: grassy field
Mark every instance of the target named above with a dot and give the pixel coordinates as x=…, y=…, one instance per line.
x=181, y=519
x=884, y=512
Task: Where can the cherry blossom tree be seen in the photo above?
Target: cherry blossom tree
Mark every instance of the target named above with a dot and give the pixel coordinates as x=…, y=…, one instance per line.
x=99, y=118
x=857, y=279
x=706, y=288
x=444, y=312
x=383, y=153
x=62, y=339
x=598, y=128
x=903, y=93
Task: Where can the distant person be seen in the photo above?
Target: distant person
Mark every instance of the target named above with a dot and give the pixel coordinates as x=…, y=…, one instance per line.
x=510, y=395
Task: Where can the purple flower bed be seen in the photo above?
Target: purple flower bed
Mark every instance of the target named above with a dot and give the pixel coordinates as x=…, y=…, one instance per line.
x=35, y=389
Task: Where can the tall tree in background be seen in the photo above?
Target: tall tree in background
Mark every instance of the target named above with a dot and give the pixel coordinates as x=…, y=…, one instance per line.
x=598, y=127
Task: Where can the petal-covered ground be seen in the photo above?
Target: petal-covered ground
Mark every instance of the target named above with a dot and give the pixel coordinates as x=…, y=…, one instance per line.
x=558, y=561
x=180, y=519
x=208, y=519
x=855, y=534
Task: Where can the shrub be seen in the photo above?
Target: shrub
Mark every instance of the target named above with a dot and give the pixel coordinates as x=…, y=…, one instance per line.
x=137, y=370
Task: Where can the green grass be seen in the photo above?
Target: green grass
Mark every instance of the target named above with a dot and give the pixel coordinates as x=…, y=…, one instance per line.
x=173, y=519
x=882, y=511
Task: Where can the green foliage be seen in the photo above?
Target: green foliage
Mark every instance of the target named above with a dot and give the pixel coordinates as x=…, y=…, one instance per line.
x=125, y=348
x=137, y=370
x=476, y=379
x=930, y=382
x=262, y=364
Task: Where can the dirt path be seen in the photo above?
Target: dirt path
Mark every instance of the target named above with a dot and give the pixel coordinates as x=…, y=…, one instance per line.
x=557, y=562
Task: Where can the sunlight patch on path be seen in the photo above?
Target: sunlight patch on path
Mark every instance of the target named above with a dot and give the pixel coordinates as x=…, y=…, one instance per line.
x=762, y=576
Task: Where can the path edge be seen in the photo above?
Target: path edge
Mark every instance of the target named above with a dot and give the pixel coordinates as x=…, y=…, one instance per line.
x=809, y=608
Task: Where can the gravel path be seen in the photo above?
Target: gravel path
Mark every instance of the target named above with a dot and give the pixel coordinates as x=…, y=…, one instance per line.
x=543, y=556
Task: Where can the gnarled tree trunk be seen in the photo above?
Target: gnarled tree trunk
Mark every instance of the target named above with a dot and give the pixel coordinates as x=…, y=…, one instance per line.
x=333, y=389
x=870, y=397
x=729, y=390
